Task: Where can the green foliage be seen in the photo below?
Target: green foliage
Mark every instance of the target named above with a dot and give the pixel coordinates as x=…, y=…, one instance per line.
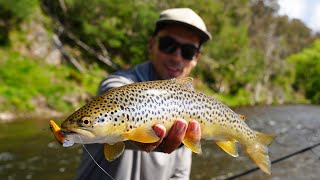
x=123, y=27
x=23, y=80
x=12, y=13
x=307, y=71
x=19, y=9
x=230, y=63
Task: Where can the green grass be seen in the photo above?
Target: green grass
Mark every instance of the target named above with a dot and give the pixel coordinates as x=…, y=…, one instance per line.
x=22, y=79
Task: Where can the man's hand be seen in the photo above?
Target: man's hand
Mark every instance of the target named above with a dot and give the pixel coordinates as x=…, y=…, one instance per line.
x=175, y=136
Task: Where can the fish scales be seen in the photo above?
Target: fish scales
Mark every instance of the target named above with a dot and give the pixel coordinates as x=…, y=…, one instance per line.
x=129, y=112
x=164, y=102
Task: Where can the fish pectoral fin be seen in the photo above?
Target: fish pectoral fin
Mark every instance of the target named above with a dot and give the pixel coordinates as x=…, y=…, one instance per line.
x=112, y=152
x=229, y=147
x=193, y=144
x=143, y=134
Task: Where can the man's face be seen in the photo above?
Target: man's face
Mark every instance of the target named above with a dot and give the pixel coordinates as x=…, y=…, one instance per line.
x=173, y=64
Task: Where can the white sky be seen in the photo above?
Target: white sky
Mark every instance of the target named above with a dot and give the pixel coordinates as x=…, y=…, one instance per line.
x=306, y=10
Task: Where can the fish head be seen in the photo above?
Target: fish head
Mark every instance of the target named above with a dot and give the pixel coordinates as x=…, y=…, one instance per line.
x=79, y=127
x=89, y=124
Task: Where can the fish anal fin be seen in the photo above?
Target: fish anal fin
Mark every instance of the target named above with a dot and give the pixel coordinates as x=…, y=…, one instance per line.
x=258, y=151
x=192, y=143
x=229, y=147
x=143, y=134
x=112, y=152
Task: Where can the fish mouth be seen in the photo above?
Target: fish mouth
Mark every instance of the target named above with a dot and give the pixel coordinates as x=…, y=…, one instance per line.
x=77, y=132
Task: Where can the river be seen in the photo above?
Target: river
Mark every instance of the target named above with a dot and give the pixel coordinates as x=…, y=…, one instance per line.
x=28, y=149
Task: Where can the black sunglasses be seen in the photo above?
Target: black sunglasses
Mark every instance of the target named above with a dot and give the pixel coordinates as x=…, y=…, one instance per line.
x=169, y=45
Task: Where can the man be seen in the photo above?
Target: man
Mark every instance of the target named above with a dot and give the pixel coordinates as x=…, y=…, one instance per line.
x=174, y=49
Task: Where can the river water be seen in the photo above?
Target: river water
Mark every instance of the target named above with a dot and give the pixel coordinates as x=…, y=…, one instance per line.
x=28, y=149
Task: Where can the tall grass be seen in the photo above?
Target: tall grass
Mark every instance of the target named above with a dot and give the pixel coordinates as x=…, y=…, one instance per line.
x=22, y=80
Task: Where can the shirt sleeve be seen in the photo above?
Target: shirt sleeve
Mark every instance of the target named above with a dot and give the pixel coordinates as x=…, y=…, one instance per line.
x=113, y=81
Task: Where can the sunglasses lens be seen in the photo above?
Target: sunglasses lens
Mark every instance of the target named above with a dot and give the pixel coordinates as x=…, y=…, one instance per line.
x=169, y=45
x=188, y=51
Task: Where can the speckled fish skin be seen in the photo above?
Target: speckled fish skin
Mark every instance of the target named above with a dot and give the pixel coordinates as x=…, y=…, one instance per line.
x=116, y=115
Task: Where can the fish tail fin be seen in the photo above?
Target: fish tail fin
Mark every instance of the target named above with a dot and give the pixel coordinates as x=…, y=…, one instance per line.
x=258, y=151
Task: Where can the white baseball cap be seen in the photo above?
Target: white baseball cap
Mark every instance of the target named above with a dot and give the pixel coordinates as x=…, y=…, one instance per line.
x=187, y=17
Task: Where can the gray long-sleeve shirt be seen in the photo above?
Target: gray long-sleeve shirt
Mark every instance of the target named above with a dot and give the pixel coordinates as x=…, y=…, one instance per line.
x=134, y=164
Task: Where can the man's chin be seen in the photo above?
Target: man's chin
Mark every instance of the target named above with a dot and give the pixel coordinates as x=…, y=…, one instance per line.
x=174, y=74
x=171, y=74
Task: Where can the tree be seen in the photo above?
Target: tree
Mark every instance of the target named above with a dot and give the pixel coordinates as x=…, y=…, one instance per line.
x=307, y=71
x=12, y=13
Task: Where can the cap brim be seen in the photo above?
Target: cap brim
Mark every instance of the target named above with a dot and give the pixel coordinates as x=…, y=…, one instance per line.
x=204, y=35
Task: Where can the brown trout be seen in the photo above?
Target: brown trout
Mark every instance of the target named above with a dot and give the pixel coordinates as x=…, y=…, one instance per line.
x=130, y=111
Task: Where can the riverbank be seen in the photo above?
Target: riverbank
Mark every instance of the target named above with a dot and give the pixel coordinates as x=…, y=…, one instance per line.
x=6, y=117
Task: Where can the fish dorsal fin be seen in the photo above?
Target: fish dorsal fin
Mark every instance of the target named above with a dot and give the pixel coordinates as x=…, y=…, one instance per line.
x=229, y=147
x=143, y=134
x=184, y=82
x=242, y=117
x=112, y=152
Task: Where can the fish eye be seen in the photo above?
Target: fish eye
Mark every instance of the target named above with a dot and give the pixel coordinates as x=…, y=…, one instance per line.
x=85, y=121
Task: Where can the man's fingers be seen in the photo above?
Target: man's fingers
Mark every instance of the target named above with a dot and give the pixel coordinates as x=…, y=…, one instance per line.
x=160, y=130
x=194, y=130
x=175, y=136
x=178, y=132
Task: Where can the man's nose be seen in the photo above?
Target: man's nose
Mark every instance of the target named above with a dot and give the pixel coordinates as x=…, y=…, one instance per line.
x=177, y=55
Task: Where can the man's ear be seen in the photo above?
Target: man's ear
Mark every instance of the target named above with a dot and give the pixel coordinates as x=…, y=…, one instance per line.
x=198, y=55
x=196, y=59
x=151, y=43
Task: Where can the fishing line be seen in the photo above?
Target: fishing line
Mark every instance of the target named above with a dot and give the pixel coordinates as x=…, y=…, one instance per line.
x=95, y=160
x=274, y=161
